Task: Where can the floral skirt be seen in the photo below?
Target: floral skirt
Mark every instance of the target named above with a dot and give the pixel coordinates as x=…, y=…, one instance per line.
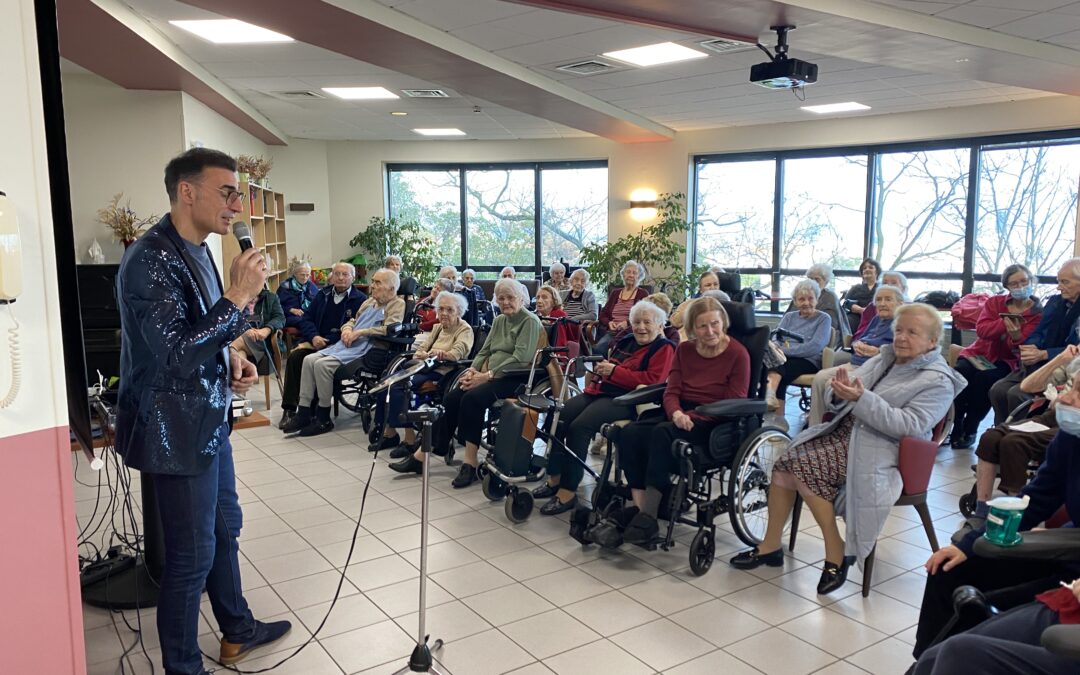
x=820, y=463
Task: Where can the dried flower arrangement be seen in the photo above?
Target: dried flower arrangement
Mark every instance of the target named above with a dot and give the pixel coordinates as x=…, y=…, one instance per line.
x=124, y=223
x=256, y=167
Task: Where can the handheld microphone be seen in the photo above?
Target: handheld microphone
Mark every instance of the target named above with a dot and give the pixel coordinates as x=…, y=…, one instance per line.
x=242, y=233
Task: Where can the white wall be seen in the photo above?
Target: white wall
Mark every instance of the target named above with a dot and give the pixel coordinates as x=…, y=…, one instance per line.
x=119, y=140
x=300, y=172
x=357, y=168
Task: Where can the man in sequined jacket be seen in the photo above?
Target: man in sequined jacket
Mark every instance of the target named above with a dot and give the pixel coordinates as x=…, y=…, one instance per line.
x=177, y=377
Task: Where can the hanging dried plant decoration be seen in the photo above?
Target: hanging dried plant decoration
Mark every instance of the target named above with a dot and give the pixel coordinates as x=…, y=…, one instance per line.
x=124, y=223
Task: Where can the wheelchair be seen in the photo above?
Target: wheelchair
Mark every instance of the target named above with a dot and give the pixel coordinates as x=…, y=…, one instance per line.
x=738, y=459
x=969, y=501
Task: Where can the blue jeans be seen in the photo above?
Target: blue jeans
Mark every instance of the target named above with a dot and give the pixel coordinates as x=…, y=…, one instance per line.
x=200, y=520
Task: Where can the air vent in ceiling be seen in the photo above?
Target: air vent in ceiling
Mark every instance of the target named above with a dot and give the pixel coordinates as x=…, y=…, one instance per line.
x=425, y=93
x=724, y=45
x=300, y=94
x=590, y=67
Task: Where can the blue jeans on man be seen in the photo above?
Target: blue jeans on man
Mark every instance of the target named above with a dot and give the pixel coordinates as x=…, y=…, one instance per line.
x=201, y=520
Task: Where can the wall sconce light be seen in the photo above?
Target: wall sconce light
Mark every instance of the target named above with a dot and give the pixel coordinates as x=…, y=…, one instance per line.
x=643, y=203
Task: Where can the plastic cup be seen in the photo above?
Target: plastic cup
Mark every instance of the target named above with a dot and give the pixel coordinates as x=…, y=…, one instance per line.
x=1003, y=521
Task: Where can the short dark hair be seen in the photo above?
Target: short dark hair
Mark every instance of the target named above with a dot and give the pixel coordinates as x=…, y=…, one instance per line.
x=870, y=261
x=190, y=164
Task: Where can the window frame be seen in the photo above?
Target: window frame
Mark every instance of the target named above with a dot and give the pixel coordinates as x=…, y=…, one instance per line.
x=975, y=145
x=538, y=168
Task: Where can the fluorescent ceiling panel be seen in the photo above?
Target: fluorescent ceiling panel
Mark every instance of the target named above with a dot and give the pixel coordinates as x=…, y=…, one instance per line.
x=849, y=106
x=439, y=132
x=654, y=55
x=360, y=93
x=230, y=31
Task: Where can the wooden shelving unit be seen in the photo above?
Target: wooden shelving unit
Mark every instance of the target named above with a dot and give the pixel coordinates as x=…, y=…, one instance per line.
x=264, y=212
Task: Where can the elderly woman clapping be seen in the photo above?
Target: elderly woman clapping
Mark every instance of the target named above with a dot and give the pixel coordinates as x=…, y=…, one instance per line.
x=297, y=292
x=512, y=343
x=450, y=340
x=615, y=315
x=810, y=325
x=903, y=391
x=639, y=359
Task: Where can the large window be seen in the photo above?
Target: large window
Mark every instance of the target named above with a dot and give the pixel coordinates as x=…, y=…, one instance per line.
x=524, y=215
x=950, y=215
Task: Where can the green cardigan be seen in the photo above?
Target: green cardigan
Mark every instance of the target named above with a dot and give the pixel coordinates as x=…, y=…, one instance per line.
x=511, y=343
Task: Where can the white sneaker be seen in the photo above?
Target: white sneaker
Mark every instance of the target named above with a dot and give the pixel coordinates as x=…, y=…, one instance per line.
x=771, y=401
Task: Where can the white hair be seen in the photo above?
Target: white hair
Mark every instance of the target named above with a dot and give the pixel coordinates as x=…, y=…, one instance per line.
x=513, y=272
x=457, y=299
x=468, y=270
x=444, y=283
x=639, y=266
x=392, y=259
x=557, y=266
x=446, y=270
x=807, y=286
x=1073, y=265
x=897, y=292
x=718, y=294
x=507, y=284
x=298, y=265
x=659, y=315
x=899, y=277
x=937, y=326
x=349, y=266
x=584, y=272
x=394, y=279
x=821, y=270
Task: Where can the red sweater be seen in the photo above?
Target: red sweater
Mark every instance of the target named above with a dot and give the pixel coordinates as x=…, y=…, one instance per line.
x=700, y=380
x=993, y=341
x=629, y=373
x=1062, y=601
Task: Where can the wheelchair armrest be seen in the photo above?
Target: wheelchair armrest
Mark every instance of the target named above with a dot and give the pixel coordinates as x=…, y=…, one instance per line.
x=1062, y=640
x=463, y=363
x=650, y=394
x=385, y=339
x=733, y=407
x=520, y=372
x=1061, y=544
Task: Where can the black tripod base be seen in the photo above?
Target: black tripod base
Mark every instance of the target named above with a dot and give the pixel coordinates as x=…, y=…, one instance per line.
x=130, y=589
x=421, y=660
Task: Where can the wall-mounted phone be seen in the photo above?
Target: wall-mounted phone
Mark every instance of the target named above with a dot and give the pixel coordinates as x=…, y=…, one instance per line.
x=10, y=289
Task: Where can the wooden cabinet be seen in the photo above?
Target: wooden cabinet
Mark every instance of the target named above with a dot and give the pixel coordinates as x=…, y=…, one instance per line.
x=264, y=212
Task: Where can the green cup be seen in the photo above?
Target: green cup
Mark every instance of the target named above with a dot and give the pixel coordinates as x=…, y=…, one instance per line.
x=1003, y=521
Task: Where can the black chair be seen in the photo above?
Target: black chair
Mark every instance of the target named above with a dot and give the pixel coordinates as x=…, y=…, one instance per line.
x=738, y=457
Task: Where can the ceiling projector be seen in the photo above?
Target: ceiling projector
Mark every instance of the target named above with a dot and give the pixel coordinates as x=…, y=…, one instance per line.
x=781, y=71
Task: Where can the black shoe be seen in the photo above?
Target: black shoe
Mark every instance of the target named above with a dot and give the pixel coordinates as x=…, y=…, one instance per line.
x=832, y=577
x=554, y=507
x=386, y=442
x=642, y=529
x=286, y=417
x=265, y=633
x=403, y=450
x=408, y=465
x=466, y=477
x=545, y=491
x=963, y=441
x=298, y=421
x=317, y=427
x=748, y=560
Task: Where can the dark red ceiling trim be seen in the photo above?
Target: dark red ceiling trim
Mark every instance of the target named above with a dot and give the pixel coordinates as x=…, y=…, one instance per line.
x=95, y=40
x=324, y=25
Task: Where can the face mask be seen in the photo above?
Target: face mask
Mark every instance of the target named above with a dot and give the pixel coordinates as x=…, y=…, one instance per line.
x=1068, y=418
x=1021, y=293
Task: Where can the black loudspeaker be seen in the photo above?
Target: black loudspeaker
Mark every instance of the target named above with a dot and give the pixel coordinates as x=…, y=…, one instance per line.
x=301, y=207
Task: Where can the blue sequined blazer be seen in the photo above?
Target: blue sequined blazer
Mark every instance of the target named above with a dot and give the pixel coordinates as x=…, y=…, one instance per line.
x=174, y=386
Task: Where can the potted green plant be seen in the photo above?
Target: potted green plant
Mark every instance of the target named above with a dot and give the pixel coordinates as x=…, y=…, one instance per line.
x=653, y=246
x=420, y=253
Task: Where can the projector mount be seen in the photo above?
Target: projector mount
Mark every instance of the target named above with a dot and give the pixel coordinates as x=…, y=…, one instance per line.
x=781, y=43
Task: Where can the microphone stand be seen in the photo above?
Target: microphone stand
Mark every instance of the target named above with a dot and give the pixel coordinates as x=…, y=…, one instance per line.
x=421, y=660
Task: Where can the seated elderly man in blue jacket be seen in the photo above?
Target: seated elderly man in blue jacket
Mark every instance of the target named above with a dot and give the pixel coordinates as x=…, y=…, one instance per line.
x=333, y=307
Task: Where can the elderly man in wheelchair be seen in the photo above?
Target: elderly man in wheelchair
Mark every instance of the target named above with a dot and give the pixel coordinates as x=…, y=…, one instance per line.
x=355, y=350
x=710, y=429
x=1034, y=576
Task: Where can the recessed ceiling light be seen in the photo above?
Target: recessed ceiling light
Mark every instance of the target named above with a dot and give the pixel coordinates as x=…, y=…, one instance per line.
x=399, y=113
x=360, y=93
x=230, y=31
x=654, y=55
x=850, y=106
x=439, y=132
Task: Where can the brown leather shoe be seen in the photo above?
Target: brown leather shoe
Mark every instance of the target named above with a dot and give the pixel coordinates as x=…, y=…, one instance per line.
x=265, y=634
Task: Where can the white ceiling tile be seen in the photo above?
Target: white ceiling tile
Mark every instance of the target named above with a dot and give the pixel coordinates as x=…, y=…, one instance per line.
x=451, y=15
x=1042, y=25
x=546, y=24
x=1033, y=5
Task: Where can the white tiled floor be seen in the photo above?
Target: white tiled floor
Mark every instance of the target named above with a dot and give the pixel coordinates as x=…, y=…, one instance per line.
x=526, y=598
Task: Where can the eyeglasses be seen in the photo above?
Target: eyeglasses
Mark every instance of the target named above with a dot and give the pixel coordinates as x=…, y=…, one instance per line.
x=230, y=194
x=1021, y=283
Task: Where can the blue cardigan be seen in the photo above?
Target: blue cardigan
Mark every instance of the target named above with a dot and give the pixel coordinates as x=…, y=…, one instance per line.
x=815, y=332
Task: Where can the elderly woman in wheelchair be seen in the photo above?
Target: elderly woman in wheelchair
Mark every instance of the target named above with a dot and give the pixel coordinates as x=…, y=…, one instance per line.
x=903, y=391
x=1015, y=575
x=451, y=339
x=510, y=345
x=709, y=368
x=640, y=359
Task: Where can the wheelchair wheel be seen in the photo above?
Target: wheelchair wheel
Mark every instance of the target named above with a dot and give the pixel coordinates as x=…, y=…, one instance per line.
x=804, y=402
x=702, y=551
x=967, y=504
x=354, y=397
x=748, y=483
x=494, y=489
x=519, y=505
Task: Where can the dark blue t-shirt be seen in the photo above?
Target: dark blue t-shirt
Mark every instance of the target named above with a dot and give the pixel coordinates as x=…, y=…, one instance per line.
x=205, y=269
